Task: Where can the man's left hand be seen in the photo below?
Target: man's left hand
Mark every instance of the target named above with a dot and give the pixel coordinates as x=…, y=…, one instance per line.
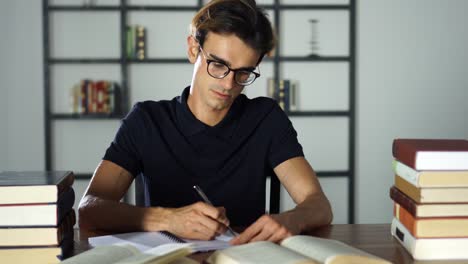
x=266, y=228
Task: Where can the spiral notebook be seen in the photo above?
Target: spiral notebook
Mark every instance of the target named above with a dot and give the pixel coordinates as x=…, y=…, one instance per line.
x=146, y=240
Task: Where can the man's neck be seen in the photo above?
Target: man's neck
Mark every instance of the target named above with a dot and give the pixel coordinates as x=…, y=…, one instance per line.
x=208, y=116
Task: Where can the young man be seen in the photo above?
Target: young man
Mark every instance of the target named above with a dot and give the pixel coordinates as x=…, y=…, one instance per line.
x=212, y=136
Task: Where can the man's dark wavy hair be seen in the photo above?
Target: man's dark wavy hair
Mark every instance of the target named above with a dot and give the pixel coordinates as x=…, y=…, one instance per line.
x=239, y=17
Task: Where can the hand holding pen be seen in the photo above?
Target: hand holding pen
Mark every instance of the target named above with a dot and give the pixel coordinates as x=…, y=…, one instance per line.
x=206, y=200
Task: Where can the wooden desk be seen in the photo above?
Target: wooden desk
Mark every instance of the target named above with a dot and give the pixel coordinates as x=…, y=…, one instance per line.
x=373, y=238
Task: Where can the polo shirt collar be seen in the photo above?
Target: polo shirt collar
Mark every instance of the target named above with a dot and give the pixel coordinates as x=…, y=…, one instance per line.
x=190, y=125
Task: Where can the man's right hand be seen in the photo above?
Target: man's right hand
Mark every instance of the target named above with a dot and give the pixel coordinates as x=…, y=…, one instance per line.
x=197, y=221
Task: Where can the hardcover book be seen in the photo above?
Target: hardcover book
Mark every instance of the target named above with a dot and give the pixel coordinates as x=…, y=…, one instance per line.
x=33, y=186
x=430, y=248
x=432, y=195
x=432, y=154
x=38, y=236
x=432, y=178
x=37, y=214
x=428, y=209
x=432, y=227
x=295, y=249
x=38, y=254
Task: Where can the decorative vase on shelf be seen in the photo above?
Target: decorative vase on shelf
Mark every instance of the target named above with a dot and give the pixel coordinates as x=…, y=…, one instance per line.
x=314, y=43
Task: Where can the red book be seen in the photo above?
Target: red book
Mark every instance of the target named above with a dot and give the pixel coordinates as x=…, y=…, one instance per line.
x=432, y=154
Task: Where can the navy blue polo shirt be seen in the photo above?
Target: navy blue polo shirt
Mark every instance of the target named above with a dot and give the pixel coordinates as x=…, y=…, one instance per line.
x=172, y=150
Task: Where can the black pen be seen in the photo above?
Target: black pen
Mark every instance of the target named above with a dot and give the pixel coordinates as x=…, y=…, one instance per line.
x=206, y=200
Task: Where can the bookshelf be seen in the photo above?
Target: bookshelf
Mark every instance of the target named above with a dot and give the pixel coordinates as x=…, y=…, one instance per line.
x=127, y=73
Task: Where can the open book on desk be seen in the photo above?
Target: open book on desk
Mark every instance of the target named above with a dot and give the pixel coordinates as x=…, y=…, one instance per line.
x=127, y=254
x=295, y=250
x=146, y=240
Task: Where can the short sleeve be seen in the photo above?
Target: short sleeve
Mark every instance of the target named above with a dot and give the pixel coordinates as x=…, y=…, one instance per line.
x=284, y=144
x=124, y=149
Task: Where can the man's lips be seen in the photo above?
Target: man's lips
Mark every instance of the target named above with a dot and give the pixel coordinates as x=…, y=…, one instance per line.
x=221, y=95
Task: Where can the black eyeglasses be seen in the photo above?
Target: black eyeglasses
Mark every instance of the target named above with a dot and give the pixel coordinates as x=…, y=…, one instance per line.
x=219, y=70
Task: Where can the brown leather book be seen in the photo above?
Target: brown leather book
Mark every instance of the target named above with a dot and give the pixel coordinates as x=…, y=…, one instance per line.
x=428, y=209
x=432, y=154
x=24, y=187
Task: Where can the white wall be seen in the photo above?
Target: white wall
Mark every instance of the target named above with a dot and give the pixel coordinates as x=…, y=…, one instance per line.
x=23, y=103
x=412, y=82
x=3, y=87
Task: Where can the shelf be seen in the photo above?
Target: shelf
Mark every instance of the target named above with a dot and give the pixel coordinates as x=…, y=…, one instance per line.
x=83, y=8
x=83, y=176
x=315, y=58
x=329, y=174
x=319, y=113
x=96, y=116
x=160, y=60
x=185, y=8
x=162, y=8
x=84, y=61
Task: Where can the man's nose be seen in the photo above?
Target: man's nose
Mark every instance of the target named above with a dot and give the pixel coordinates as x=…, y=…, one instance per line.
x=228, y=82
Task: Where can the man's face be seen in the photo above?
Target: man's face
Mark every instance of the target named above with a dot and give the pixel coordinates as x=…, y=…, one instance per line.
x=219, y=94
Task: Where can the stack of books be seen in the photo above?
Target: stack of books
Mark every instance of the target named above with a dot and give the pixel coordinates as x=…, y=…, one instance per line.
x=430, y=197
x=36, y=216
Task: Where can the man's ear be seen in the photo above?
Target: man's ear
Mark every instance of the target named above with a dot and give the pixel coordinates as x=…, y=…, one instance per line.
x=193, y=48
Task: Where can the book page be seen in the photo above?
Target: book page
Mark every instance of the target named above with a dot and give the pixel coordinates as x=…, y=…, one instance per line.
x=160, y=255
x=103, y=255
x=146, y=240
x=325, y=250
x=258, y=252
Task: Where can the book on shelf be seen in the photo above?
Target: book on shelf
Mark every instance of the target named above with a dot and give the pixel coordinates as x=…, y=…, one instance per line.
x=431, y=178
x=38, y=236
x=295, y=249
x=428, y=209
x=140, y=42
x=432, y=154
x=431, y=227
x=135, y=41
x=96, y=97
x=23, y=187
x=37, y=214
x=127, y=253
x=284, y=93
x=38, y=254
x=432, y=195
x=430, y=248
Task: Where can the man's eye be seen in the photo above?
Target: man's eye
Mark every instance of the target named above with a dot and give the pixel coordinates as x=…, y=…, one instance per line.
x=218, y=64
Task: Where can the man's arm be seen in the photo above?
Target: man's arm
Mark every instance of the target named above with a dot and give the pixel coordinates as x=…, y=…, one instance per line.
x=101, y=209
x=312, y=210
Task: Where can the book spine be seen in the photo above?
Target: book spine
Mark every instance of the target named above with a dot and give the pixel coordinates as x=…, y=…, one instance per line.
x=64, y=204
x=406, y=219
x=407, y=173
x=65, y=183
x=404, y=237
x=403, y=200
x=407, y=188
x=404, y=152
x=66, y=226
x=140, y=43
